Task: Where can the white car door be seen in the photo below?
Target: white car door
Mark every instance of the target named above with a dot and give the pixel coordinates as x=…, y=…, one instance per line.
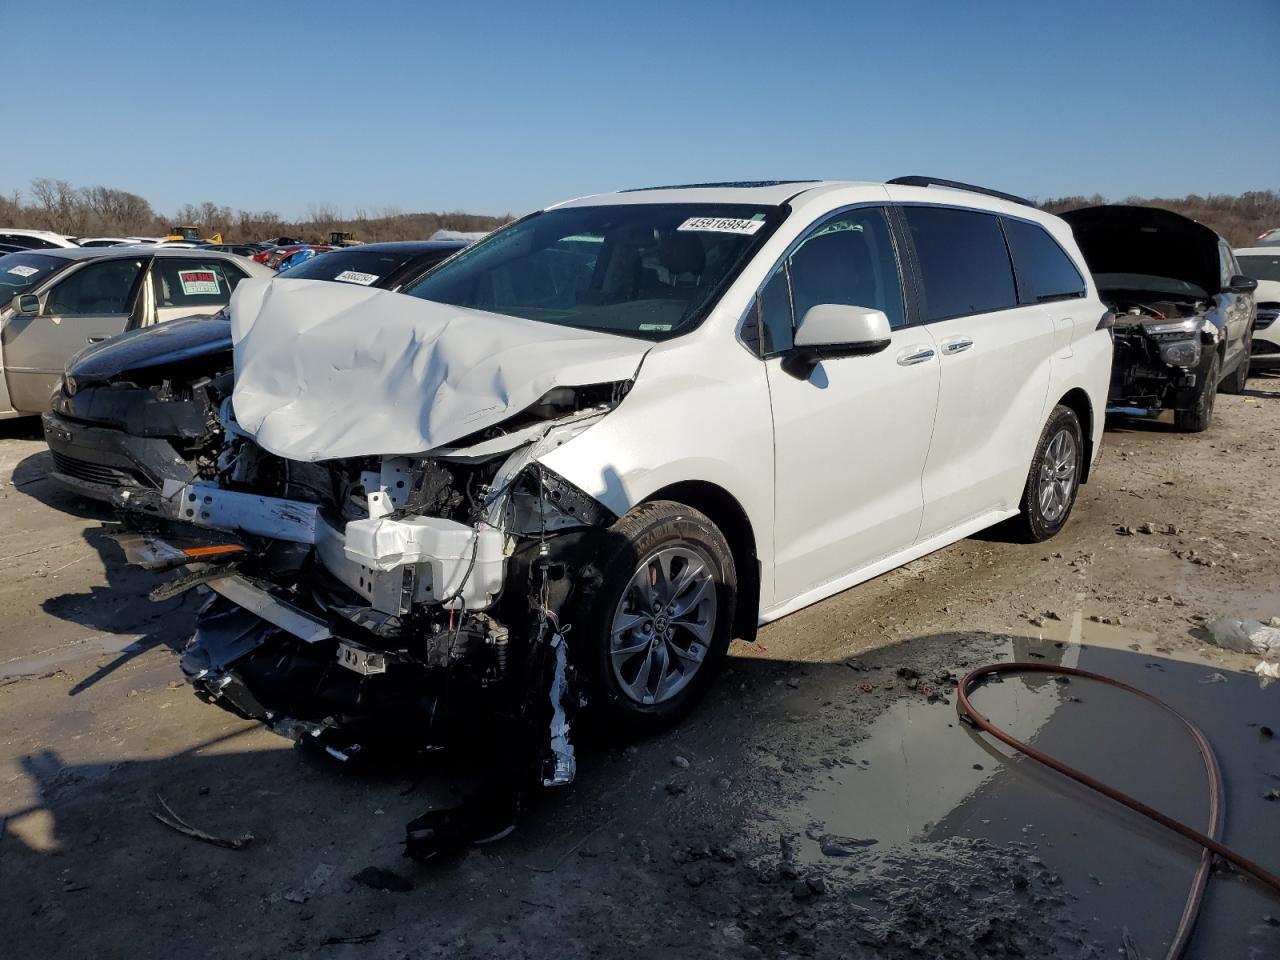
x=852, y=436
x=995, y=358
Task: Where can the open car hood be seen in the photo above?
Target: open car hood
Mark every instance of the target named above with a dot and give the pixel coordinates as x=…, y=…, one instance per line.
x=173, y=343
x=1148, y=241
x=327, y=370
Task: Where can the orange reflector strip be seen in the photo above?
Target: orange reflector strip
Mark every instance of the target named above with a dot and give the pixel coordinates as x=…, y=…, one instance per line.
x=215, y=551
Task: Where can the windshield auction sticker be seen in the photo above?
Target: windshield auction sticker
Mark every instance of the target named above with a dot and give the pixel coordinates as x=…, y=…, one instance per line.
x=23, y=271
x=355, y=276
x=721, y=225
x=196, y=283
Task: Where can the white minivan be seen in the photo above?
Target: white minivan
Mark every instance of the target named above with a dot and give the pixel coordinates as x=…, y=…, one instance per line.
x=646, y=422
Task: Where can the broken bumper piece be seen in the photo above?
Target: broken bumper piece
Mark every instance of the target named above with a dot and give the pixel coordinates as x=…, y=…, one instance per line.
x=392, y=563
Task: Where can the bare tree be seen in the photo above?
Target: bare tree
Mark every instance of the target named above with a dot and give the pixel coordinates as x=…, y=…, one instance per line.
x=101, y=210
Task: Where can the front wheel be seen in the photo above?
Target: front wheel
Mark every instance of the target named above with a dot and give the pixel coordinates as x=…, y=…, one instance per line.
x=657, y=625
x=1239, y=379
x=1197, y=418
x=1054, y=478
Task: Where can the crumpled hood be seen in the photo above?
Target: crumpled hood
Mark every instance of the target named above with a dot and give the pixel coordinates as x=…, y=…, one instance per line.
x=327, y=370
x=172, y=342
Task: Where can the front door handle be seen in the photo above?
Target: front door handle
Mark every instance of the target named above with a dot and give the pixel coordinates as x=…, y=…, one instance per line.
x=913, y=355
x=95, y=339
x=958, y=345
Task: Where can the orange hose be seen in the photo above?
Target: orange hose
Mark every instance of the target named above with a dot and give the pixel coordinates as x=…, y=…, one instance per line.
x=1209, y=843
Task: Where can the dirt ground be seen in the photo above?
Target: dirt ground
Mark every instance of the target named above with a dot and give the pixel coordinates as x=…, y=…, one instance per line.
x=823, y=801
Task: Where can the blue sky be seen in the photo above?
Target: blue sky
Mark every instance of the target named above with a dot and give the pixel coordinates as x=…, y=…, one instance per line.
x=503, y=107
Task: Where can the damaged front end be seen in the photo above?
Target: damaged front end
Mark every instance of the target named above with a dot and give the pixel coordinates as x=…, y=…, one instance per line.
x=1163, y=351
x=141, y=410
x=394, y=603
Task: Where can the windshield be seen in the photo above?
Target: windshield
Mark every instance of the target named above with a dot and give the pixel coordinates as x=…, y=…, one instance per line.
x=644, y=270
x=1144, y=283
x=19, y=272
x=1261, y=267
x=365, y=267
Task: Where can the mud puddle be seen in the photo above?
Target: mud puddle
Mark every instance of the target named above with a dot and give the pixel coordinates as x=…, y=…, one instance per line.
x=920, y=787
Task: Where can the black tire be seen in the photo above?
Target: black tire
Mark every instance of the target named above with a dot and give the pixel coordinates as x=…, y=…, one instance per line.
x=1239, y=378
x=1034, y=524
x=1197, y=418
x=634, y=539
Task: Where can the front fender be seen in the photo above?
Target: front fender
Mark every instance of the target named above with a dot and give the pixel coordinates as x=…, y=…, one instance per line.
x=687, y=418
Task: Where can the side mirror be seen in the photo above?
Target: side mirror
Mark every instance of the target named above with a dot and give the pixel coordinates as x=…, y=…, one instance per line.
x=1242, y=284
x=831, y=330
x=28, y=304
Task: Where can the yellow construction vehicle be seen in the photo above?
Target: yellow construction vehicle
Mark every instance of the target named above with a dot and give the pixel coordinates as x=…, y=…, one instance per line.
x=191, y=234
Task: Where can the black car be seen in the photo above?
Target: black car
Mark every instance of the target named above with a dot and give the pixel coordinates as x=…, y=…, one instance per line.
x=141, y=409
x=1183, y=312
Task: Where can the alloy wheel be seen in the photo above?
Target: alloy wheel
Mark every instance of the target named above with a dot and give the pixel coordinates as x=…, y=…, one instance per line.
x=664, y=624
x=1057, y=476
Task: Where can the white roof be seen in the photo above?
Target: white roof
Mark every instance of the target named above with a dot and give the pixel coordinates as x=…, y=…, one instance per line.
x=60, y=239
x=771, y=193
x=803, y=192
x=1267, y=250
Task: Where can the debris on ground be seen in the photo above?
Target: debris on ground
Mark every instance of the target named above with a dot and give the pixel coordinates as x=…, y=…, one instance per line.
x=353, y=938
x=315, y=880
x=175, y=822
x=1247, y=636
x=376, y=878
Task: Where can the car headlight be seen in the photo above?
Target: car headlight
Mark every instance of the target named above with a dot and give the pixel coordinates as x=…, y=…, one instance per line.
x=1173, y=327
x=1181, y=353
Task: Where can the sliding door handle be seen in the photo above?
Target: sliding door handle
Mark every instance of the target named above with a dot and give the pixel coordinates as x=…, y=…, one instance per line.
x=958, y=345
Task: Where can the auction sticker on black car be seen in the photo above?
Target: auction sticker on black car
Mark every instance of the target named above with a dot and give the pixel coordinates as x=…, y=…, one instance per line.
x=198, y=282
x=722, y=225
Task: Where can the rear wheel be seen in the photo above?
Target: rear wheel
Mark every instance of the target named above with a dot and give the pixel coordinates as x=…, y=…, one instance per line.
x=1054, y=478
x=1239, y=379
x=1200, y=415
x=655, y=629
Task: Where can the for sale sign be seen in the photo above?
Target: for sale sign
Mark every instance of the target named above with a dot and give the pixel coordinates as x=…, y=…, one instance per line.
x=197, y=283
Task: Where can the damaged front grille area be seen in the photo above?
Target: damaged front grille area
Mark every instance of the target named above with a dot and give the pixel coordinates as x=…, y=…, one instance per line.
x=398, y=601
x=99, y=473
x=1159, y=350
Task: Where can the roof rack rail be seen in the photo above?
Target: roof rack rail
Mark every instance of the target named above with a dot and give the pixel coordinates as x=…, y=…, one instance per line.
x=957, y=185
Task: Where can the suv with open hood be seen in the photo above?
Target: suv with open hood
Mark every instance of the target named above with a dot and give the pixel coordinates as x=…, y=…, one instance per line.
x=1184, y=313
x=583, y=454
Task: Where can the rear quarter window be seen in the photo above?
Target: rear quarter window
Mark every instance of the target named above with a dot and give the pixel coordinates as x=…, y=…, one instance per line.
x=964, y=263
x=1045, y=272
x=193, y=283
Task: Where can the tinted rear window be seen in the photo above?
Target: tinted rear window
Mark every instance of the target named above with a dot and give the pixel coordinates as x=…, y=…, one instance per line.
x=1261, y=267
x=1043, y=269
x=964, y=264
x=29, y=243
x=365, y=267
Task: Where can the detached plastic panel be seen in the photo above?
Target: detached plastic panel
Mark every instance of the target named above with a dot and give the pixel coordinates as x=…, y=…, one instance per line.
x=440, y=549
